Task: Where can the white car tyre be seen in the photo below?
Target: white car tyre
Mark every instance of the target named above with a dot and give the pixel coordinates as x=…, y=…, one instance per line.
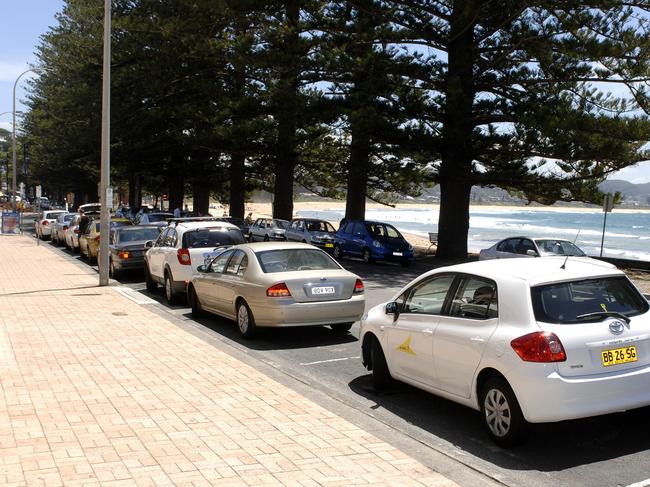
x=501, y=414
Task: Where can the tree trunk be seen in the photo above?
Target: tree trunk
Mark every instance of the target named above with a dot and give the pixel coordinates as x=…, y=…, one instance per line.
x=355, y=201
x=176, y=183
x=201, y=197
x=287, y=113
x=135, y=192
x=457, y=154
x=237, y=186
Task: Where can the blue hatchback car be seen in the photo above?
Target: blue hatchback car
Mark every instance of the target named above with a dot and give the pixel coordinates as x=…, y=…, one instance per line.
x=372, y=241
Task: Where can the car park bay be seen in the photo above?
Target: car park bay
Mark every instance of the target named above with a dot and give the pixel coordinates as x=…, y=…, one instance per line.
x=607, y=450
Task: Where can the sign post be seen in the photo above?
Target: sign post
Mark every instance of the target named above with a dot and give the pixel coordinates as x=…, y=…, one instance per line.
x=608, y=205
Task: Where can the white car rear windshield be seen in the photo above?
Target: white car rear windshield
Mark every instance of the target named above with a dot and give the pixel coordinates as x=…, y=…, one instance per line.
x=288, y=260
x=588, y=300
x=212, y=237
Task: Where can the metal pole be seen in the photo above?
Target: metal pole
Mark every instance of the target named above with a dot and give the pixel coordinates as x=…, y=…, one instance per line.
x=104, y=218
x=602, y=241
x=13, y=135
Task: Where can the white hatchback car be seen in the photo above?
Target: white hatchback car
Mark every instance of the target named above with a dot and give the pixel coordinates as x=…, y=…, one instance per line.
x=521, y=340
x=44, y=221
x=181, y=248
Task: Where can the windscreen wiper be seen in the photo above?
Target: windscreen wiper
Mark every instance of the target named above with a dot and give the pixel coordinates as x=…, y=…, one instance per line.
x=604, y=314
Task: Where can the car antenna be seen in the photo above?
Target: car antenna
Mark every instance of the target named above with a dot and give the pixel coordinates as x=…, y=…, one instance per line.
x=577, y=235
x=563, y=266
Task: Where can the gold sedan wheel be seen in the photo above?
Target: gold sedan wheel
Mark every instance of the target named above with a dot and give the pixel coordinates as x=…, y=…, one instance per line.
x=245, y=320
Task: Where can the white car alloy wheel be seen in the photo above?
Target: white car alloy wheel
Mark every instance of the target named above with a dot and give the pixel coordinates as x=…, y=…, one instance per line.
x=169, y=290
x=497, y=413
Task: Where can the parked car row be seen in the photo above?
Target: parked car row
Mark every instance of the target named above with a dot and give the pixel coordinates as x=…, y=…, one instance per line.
x=523, y=340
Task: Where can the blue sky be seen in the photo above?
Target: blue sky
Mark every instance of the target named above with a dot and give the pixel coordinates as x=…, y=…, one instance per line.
x=22, y=23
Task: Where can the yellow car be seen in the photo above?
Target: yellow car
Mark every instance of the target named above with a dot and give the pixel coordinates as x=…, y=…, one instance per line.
x=89, y=240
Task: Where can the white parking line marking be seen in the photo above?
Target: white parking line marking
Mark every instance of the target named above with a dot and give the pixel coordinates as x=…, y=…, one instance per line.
x=643, y=483
x=331, y=360
x=134, y=296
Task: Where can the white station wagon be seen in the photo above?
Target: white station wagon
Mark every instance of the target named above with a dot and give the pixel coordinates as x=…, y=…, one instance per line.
x=521, y=340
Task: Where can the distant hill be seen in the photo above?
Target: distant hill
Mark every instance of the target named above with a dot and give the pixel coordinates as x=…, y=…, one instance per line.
x=634, y=195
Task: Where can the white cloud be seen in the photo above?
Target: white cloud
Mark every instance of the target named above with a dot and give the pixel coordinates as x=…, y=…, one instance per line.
x=10, y=71
x=5, y=125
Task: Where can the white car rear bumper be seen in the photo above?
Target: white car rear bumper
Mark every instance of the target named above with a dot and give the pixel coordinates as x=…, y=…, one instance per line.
x=550, y=397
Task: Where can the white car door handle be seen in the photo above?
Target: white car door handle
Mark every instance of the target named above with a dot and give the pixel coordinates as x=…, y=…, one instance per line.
x=428, y=331
x=477, y=339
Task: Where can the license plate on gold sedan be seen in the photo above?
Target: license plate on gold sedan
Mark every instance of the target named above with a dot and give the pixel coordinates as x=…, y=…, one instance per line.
x=618, y=356
x=323, y=290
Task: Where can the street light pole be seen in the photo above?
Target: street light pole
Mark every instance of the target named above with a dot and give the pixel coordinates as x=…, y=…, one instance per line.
x=13, y=136
x=105, y=171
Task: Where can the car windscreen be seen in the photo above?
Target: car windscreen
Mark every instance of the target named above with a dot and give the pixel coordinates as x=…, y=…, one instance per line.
x=137, y=234
x=283, y=224
x=212, y=237
x=159, y=217
x=558, y=247
x=381, y=230
x=69, y=217
x=288, y=260
x=319, y=226
x=587, y=300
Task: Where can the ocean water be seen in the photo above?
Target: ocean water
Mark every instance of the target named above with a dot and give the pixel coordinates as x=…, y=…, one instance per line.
x=627, y=234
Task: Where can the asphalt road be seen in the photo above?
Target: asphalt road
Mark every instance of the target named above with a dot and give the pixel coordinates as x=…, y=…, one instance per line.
x=612, y=450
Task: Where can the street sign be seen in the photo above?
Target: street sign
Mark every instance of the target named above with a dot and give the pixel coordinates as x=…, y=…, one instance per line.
x=38, y=191
x=109, y=198
x=608, y=203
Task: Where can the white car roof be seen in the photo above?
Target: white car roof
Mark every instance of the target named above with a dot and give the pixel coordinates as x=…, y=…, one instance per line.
x=537, y=271
x=204, y=224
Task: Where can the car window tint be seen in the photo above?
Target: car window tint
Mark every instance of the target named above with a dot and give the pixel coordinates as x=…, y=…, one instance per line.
x=428, y=296
x=510, y=245
x=358, y=228
x=565, y=302
x=219, y=264
x=161, y=239
x=475, y=298
x=524, y=246
x=288, y=260
x=212, y=237
x=137, y=234
x=243, y=266
x=233, y=264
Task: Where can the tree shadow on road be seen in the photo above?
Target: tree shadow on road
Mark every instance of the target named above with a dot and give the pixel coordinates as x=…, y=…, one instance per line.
x=551, y=446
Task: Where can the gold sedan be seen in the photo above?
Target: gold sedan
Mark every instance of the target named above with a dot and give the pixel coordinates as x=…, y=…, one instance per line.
x=277, y=284
x=89, y=240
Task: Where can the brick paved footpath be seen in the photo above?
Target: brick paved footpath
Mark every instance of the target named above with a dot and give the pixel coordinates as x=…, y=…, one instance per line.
x=97, y=390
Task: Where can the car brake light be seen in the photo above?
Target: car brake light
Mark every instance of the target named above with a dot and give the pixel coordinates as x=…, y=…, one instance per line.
x=97, y=238
x=358, y=286
x=45, y=223
x=278, y=291
x=539, y=346
x=184, y=256
x=123, y=255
